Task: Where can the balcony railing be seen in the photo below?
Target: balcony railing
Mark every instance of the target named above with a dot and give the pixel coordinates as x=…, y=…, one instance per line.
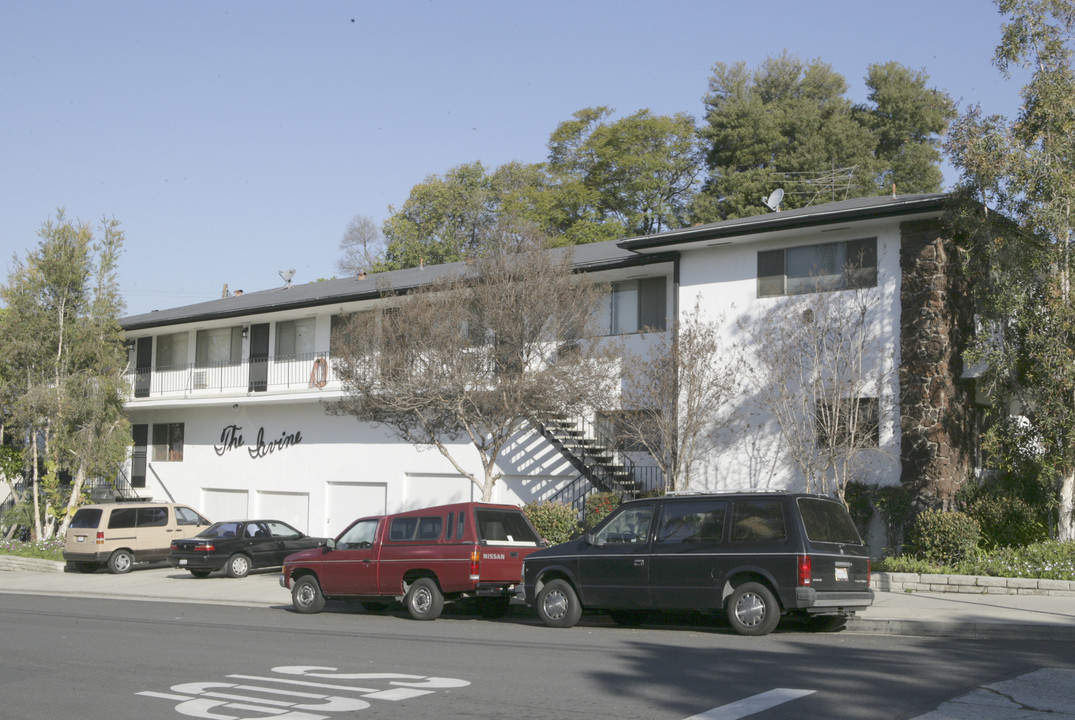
x=309, y=371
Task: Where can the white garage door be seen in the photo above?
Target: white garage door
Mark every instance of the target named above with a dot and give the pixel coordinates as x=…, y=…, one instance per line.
x=292, y=508
x=346, y=502
x=220, y=505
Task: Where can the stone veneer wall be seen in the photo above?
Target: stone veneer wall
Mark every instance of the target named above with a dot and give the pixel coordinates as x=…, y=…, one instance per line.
x=936, y=417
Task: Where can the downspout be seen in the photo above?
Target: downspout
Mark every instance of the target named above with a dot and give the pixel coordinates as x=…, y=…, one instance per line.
x=675, y=369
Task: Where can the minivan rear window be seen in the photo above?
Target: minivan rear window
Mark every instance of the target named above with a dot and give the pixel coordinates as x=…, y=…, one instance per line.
x=504, y=526
x=827, y=522
x=86, y=518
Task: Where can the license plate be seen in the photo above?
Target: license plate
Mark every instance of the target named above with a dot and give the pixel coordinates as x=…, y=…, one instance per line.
x=841, y=574
x=184, y=562
x=80, y=538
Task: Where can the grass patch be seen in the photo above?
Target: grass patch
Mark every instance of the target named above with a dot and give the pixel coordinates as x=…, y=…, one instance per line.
x=51, y=549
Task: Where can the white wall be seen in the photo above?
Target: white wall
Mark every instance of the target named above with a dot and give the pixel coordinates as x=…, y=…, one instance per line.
x=724, y=280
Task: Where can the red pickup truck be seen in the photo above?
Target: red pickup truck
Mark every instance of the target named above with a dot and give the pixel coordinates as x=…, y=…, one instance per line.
x=421, y=557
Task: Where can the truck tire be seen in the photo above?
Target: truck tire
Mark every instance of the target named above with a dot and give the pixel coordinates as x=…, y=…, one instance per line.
x=558, y=605
x=752, y=609
x=306, y=595
x=424, y=600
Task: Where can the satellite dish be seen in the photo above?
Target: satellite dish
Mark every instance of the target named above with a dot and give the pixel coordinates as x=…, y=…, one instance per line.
x=287, y=275
x=773, y=201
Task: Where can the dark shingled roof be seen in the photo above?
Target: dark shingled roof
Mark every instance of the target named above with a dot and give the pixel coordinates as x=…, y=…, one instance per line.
x=594, y=256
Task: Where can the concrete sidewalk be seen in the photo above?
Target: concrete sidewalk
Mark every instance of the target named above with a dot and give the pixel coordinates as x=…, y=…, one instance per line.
x=942, y=614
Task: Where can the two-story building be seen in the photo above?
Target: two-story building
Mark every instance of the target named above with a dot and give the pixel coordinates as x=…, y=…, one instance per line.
x=230, y=397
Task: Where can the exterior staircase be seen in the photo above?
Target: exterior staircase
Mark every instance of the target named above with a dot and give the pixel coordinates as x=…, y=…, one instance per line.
x=601, y=467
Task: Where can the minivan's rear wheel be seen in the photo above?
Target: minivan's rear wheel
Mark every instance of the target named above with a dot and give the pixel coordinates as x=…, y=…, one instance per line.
x=753, y=610
x=306, y=595
x=424, y=600
x=238, y=566
x=558, y=605
x=120, y=562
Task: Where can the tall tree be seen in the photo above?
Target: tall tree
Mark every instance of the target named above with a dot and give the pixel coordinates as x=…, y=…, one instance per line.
x=362, y=246
x=637, y=173
x=476, y=356
x=789, y=125
x=1022, y=262
x=66, y=351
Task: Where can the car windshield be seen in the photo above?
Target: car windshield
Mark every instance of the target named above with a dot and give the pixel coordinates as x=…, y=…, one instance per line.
x=221, y=530
x=828, y=522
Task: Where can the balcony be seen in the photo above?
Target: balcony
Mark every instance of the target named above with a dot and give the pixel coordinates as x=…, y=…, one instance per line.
x=310, y=372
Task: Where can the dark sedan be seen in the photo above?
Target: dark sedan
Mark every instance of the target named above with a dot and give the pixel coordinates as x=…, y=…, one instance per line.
x=239, y=546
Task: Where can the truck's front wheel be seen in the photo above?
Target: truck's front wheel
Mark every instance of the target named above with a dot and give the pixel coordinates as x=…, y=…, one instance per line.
x=306, y=595
x=424, y=600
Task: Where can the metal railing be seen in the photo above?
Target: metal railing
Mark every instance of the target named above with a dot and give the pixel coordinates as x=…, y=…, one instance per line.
x=308, y=371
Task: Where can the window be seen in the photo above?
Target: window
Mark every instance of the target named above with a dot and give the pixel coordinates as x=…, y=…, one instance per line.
x=122, y=519
x=631, y=525
x=359, y=536
x=634, y=306
x=501, y=526
x=220, y=346
x=834, y=420
x=295, y=338
x=152, y=517
x=168, y=442
x=826, y=521
x=817, y=268
x=172, y=351
x=691, y=522
x=186, y=516
x=758, y=521
x=140, y=440
x=403, y=528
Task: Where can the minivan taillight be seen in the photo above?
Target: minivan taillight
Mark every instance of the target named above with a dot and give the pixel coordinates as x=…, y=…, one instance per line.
x=805, y=566
x=100, y=537
x=475, y=565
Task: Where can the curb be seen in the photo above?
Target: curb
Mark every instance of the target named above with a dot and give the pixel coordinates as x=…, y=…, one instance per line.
x=16, y=562
x=969, y=584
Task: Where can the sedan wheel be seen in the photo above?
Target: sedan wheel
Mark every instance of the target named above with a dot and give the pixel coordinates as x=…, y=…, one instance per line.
x=238, y=566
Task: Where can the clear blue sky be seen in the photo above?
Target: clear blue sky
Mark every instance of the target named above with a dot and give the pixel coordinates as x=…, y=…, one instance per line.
x=236, y=139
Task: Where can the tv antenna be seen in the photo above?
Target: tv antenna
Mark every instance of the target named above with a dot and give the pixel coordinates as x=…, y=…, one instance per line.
x=773, y=201
x=287, y=275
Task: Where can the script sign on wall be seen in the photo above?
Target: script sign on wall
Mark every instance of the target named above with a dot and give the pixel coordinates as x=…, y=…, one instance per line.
x=231, y=438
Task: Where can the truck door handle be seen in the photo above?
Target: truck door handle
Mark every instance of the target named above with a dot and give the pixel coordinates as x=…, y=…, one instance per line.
x=639, y=563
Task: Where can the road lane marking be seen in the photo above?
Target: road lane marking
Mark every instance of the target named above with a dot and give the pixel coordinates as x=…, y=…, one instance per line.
x=751, y=705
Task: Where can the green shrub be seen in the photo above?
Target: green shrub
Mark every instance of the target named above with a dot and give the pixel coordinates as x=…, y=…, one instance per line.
x=1007, y=521
x=598, y=506
x=1049, y=560
x=555, y=522
x=943, y=537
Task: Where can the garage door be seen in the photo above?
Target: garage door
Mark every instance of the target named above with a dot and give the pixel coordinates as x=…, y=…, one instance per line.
x=292, y=508
x=346, y=502
x=219, y=505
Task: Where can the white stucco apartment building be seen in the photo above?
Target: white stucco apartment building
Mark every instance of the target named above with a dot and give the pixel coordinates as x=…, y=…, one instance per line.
x=231, y=398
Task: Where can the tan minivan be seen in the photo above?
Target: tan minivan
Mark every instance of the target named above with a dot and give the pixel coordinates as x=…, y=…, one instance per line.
x=121, y=534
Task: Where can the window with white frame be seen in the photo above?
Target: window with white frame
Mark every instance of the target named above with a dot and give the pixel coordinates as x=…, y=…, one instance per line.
x=219, y=346
x=818, y=268
x=635, y=305
x=295, y=338
x=172, y=351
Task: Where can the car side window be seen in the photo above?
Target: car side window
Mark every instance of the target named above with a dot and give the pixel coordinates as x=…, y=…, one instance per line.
x=186, y=516
x=122, y=518
x=359, y=536
x=691, y=522
x=256, y=530
x=758, y=521
x=282, y=530
x=630, y=525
